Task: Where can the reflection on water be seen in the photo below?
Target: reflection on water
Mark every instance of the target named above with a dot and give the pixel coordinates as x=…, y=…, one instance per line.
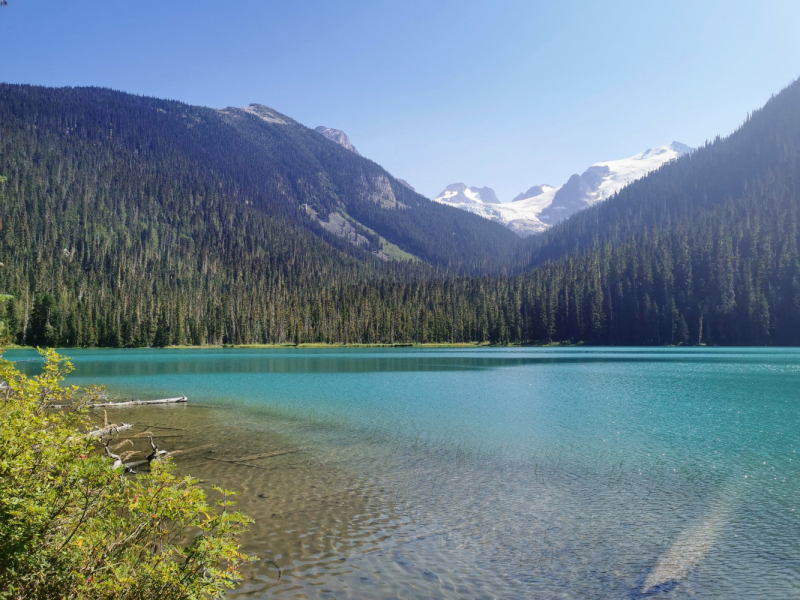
x=518, y=473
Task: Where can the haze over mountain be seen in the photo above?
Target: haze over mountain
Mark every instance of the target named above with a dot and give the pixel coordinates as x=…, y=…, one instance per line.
x=543, y=205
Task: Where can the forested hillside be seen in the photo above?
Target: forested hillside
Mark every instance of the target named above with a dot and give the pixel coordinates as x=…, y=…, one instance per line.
x=136, y=221
x=704, y=249
x=763, y=150
x=132, y=221
x=330, y=178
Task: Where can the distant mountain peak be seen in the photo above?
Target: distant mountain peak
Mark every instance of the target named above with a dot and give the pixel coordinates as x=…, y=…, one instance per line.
x=338, y=136
x=681, y=149
x=676, y=147
x=483, y=202
x=486, y=194
x=458, y=192
x=604, y=179
x=536, y=190
x=541, y=206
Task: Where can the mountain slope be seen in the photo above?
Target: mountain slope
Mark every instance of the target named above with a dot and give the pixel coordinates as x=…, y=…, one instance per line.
x=135, y=221
x=275, y=164
x=704, y=249
x=330, y=182
x=727, y=169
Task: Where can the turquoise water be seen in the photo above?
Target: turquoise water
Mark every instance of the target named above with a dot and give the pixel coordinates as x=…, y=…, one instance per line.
x=492, y=473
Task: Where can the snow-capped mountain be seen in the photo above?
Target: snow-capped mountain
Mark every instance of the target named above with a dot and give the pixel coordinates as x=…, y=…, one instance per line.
x=544, y=205
x=458, y=193
x=534, y=191
x=483, y=202
x=338, y=136
x=604, y=179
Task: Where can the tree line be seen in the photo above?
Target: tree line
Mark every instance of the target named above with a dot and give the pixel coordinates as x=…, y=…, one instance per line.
x=138, y=240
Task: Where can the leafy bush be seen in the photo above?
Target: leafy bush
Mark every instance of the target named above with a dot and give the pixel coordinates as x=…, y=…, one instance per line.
x=71, y=526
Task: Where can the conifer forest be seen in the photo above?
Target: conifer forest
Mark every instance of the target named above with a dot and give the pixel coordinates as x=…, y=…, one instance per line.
x=128, y=221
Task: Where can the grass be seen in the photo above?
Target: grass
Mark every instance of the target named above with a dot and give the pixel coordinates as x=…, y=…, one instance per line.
x=396, y=252
x=393, y=251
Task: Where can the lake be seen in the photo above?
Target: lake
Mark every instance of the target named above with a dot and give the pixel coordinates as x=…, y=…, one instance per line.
x=488, y=473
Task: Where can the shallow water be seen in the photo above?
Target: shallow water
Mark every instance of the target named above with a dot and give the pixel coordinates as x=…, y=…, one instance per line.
x=489, y=473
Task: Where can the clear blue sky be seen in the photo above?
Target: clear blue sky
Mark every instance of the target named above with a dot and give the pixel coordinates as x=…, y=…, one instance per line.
x=504, y=94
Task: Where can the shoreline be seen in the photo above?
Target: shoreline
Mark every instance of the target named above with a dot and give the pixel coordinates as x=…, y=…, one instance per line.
x=319, y=345
x=304, y=345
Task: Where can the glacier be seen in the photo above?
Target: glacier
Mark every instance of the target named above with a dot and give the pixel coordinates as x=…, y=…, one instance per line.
x=543, y=206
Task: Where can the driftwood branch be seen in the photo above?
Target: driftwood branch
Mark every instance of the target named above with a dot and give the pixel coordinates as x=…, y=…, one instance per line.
x=115, y=457
x=141, y=402
x=156, y=454
x=130, y=467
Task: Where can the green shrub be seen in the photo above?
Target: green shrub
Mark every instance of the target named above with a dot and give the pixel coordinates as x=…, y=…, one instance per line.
x=73, y=527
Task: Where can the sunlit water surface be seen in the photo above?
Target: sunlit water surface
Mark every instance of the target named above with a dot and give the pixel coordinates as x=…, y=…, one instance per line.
x=488, y=473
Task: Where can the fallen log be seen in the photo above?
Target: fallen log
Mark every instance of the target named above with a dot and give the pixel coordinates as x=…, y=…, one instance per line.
x=141, y=402
x=109, y=429
x=130, y=467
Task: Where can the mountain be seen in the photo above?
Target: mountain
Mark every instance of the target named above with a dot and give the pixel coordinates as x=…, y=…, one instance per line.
x=338, y=136
x=536, y=190
x=543, y=205
x=604, y=179
x=458, y=193
x=350, y=196
x=704, y=249
x=484, y=203
x=127, y=220
x=131, y=221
